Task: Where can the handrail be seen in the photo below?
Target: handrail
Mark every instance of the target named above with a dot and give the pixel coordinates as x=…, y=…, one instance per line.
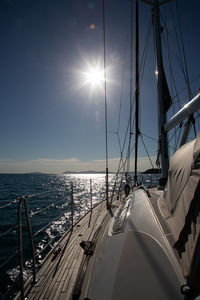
x=16, y=200
x=21, y=244
x=20, y=249
x=31, y=238
x=48, y=224
x=10, y=203
x=24, y=200
x=9, y=258
x=90, y=203
x=9, y=230
x=45, y=207
x=72, y=206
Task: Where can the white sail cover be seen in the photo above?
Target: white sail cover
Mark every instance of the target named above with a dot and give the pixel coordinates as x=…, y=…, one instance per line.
x=181, y=203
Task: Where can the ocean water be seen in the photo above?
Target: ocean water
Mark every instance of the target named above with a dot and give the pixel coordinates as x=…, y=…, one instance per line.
x=49, y=203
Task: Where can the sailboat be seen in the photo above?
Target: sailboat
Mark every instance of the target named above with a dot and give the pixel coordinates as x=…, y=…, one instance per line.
x=146, y=245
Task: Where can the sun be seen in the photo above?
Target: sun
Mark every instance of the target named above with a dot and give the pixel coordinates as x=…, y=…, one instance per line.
x=91, y=78
x=94, y=77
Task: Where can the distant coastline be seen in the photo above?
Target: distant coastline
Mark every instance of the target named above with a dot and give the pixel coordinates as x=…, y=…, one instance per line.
x=150, y=171
x=66, y=172
x=84, y=172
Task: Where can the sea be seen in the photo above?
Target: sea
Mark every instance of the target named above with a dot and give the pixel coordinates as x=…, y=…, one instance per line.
x=49, y=199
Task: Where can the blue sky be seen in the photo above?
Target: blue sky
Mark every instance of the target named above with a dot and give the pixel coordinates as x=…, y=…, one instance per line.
x=50, y=120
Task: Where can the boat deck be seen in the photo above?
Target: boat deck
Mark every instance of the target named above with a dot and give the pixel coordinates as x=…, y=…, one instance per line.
x=56, y=277
x=58, y=274
x=155, y=194
x=136, y=260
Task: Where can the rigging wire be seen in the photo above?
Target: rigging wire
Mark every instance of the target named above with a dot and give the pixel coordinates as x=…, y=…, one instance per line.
x=179, y=56
x=147, y=152
x=183, y=51
x=191, y=118
x=172, y=80
x=129, y=125
x=192, y=81
x=146, y=47
x=142, y=65
x=174, y=135
x=144, y=55
x=122, y=164
x=178, y=138
x=121, y=94
x=131, y=84
x=121, y=147
x=155, y=140
x=181, y=63
x=184, y=70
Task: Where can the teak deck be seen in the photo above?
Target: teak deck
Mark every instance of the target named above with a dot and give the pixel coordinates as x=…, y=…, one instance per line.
x=57, y=276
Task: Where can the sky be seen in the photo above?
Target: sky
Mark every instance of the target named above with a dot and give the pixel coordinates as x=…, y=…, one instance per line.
x=52, y=116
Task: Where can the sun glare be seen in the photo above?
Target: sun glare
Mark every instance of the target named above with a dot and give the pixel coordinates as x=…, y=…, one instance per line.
x=95, y=77
x=91, y=77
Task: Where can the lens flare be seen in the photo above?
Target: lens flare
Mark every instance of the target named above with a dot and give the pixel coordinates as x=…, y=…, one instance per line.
x=94, y=76
x=92, y=26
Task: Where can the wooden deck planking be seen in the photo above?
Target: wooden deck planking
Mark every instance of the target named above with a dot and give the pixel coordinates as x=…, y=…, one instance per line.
x=49, y=280
x=47, y=277
x=57, y=275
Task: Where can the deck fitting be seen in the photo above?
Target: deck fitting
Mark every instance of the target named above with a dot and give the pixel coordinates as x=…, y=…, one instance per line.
x=88, y=247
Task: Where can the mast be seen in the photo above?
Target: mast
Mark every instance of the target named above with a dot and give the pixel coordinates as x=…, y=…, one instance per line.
x=160, y=93
x=131, y=88
x=136, y=91
x=105, y=100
